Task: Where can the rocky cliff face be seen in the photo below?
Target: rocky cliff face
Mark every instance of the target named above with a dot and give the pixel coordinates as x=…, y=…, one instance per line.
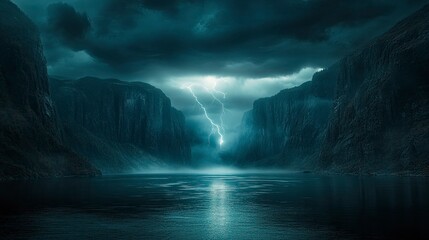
x=289, y=127
x=29, y=137
x=133, y=121
x=380, y=118
x=377, y=119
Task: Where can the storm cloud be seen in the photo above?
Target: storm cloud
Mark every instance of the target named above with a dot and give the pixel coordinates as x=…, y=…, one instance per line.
x=71, y=27
x=147, y=38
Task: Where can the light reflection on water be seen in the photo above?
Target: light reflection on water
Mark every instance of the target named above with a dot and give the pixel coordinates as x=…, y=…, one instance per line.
x=264, y=206
x=218, y=206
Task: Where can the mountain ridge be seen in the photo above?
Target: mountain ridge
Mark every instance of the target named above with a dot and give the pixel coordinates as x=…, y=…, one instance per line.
x=133, y=116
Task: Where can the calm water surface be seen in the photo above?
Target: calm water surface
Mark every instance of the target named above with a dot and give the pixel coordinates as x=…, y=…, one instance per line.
x=261, y=206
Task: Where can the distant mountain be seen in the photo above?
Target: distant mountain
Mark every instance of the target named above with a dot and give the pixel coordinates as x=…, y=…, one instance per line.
x=30, y=142
x=120, y=126
x=288, y=128
x=367, y=113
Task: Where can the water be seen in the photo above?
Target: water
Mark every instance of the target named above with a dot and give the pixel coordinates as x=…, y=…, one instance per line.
x=261, y=206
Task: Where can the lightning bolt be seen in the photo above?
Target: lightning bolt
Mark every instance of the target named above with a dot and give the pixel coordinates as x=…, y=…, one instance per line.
x=211, y=92
x=217, y=129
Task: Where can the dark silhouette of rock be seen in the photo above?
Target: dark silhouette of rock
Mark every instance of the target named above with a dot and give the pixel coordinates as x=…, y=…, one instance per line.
x=30, y=144
x=380, y=118
x=288, y=128
x=120, y=125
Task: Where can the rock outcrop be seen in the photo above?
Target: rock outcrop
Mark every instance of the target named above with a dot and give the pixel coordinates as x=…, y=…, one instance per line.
x=288, y=128
x=30, y=144
x=120, y=126
x=380, y=118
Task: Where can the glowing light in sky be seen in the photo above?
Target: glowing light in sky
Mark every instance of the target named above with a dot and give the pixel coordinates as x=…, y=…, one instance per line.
x=216, y=128
x=209, y=89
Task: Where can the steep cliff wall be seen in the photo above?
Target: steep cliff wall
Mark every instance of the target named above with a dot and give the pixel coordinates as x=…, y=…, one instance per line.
x=29, y=137
x=289, y=127
x=135, y=117
x=380, y=119
x=377, y=119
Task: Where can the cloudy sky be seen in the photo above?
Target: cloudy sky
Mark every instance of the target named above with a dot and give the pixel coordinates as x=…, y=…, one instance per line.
x=248, y=48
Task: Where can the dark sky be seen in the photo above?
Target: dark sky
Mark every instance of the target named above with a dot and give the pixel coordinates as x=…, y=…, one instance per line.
x=250, y=48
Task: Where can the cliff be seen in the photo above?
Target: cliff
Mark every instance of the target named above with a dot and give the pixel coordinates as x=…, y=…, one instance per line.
x=288, y=128
x=30, y=144
x=120, y=126
x=380, y=117
x=373, y=115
